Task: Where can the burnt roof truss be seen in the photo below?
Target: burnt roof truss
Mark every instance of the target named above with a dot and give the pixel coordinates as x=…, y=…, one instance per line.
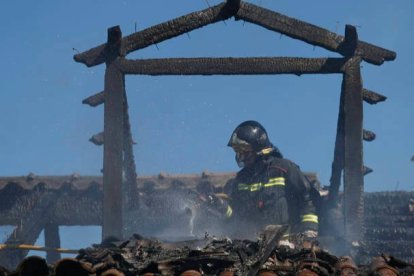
x=117, y=141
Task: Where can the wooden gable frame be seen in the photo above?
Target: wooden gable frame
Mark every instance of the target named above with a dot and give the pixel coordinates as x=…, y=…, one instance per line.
x=348, y=154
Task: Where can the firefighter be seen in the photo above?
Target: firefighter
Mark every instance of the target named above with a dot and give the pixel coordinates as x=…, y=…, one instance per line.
x=269, y=189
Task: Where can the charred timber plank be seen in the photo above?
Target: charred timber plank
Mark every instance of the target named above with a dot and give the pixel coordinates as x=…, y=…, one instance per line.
x=95, y=100
x=113, y=146
x=368, y=135
x=158, y=33
x=52, y=240
x=371, y=97
x=232, y=66
x=353, y=162
x=310, y=33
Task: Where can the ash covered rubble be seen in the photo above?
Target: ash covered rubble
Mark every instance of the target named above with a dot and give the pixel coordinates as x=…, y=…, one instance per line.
x=208, y=256
x=225, y=257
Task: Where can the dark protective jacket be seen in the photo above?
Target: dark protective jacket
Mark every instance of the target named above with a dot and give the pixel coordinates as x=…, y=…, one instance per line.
x=272, y=191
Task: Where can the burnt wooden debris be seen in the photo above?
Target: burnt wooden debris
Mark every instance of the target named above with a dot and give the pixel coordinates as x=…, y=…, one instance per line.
x=210, y=257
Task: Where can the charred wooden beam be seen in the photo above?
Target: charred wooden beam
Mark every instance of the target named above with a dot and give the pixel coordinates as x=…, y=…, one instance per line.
x=353, y=158
x=131, y=189
x=310, y=33
x=158, y=33
x=114, y=137
x=368, y=135
x=232, y=66
x=95, y=100
x=52, y=240
x=233, y=6
x=338, y=160
x=353, y=163
x=97, y=139
x=371, y=97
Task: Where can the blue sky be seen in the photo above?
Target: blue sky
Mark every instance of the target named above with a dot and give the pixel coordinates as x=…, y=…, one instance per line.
x=182, y=123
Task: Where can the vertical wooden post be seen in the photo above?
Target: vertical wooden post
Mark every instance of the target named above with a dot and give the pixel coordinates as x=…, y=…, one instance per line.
x=130, y=194
x=52, y=240
x=338, y=161
x=113, y=135
x=353, y=124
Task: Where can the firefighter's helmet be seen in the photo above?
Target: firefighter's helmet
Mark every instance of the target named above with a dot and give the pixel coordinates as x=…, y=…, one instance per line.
x=253, y=134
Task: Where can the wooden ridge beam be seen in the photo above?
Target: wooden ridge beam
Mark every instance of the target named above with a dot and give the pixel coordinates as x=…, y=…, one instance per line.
x=158, y=33
x=232, y=66
x=310, y=33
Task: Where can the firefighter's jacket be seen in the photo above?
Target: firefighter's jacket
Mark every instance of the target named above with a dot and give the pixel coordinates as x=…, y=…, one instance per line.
x=273, y=191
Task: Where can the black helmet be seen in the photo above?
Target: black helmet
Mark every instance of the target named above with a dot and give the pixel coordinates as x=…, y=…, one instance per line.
x=252, y=133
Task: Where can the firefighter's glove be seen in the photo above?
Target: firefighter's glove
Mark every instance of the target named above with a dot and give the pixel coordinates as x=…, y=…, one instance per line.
x=309, y=238
x=215, y=202
x=216, y=205
x=310, y=234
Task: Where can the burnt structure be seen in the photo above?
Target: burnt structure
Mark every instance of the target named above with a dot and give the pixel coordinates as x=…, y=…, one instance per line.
x=116, y=195
x=348, y=154
x=36, y=203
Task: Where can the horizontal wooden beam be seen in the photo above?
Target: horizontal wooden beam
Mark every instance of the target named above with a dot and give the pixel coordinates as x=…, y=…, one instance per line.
x=158, y=33
x=95, y=100
x=372, y=97
x=232, y=66
x=310, y=33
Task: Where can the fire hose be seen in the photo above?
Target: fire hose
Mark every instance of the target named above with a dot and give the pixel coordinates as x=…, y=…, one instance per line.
x=37, y=248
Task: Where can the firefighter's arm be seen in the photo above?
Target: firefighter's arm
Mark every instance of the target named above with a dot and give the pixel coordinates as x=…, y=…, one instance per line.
x=222, y=203
x=308, y=217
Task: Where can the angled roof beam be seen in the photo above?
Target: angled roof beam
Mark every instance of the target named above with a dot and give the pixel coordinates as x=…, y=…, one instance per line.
x=310, y=33
x=232, y=66
x=160, y=32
